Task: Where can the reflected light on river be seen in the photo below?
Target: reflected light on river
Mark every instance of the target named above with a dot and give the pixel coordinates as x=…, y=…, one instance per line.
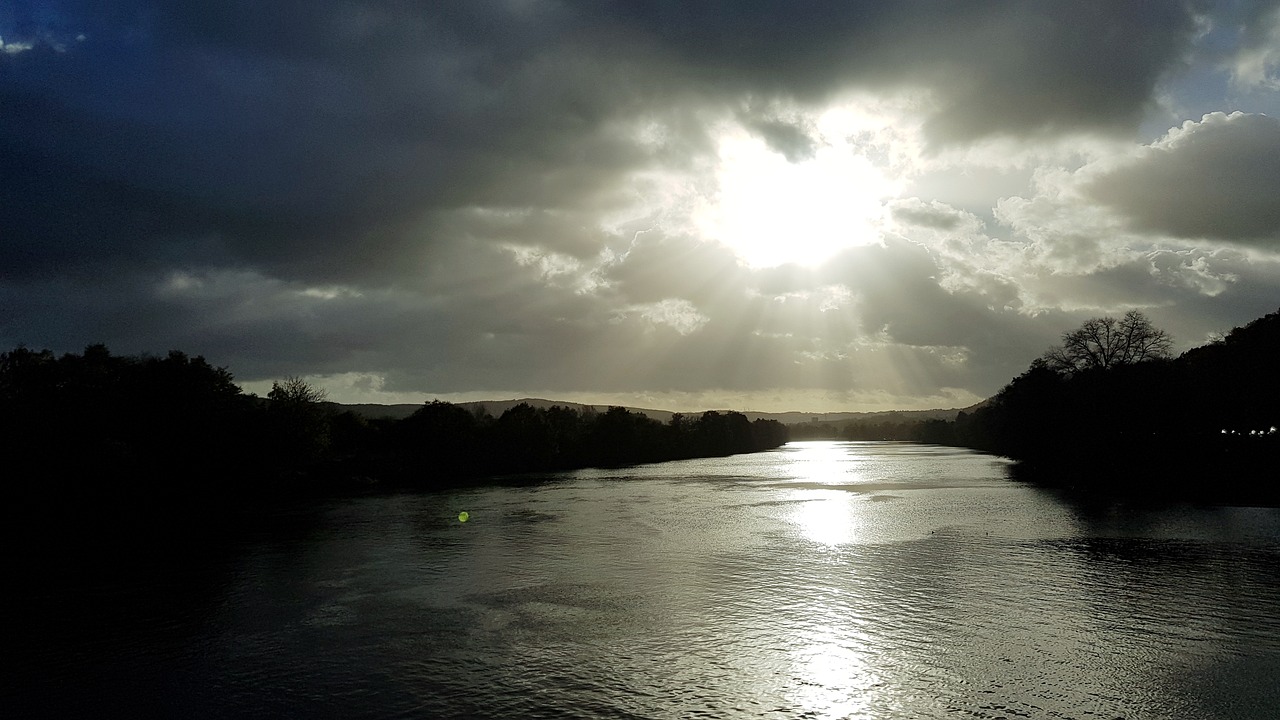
x=836, y=673
x=826, y=463
x=825, y=516
x=820, y=580
x=831, y=661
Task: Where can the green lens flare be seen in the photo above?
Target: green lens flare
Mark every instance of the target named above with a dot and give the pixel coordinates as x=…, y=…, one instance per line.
x=464, y=516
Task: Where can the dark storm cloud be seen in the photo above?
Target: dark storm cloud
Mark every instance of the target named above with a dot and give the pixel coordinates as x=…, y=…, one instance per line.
x=1218, y=178
x=312, y=187
x=898, y=285
x=310, y=138
x=997, y=67
x=313, y=138
x=659, y=266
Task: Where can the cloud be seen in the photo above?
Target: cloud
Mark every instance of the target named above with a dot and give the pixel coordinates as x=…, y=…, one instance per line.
x=1256, y=64
x=575, y=233
x=1217, y=178
x=1102, y=60
x=341, y=144
x=793, y=138
x=455, y=196
x=14, y=47
x=36, y=25
x=658, y=266
x=933, y=214
x=680, y=315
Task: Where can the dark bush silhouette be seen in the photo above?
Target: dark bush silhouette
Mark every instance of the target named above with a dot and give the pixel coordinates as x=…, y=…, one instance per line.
x=1201, y=426
x=439, y=438
x=299, y=424
x=102, y=445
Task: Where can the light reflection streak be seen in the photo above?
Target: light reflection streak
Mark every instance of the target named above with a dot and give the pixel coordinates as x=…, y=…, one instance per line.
x=834, y=668
x=825, y=462
x=836, y=680
x=833, y=665
x=829, y=519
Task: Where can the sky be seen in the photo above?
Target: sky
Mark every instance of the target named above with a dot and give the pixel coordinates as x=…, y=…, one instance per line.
x=843, y=205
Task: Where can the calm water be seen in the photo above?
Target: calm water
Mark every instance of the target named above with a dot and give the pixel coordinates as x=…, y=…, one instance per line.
x=821, y=580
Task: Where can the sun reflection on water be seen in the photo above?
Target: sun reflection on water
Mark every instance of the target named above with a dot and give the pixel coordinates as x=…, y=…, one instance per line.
x=835, y=669
x=833, y=666
x=834, y=679
x=825, y=462
x=826, y=516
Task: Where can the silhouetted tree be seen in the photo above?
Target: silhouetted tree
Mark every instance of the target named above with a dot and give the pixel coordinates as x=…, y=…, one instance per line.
x=522, y=440
x=136, y=447
x=1106, y=342
x=723, y=433
x=184, y=413
x=300, y=422
x=1121, y=417
x=351, y=435
x=159, y=446
x=768, y=434
x=296, y=391
x=566, y=430
x=616, y=437
x=439, y=443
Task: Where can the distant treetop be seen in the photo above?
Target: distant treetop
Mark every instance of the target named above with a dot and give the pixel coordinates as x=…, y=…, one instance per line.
x=1106, y=342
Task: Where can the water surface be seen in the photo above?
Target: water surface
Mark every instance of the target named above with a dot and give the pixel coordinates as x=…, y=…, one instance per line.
x=820, y=580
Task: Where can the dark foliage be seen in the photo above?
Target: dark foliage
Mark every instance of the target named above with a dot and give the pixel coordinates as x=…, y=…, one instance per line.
x=98, y=444
x=443, y=444
x=1109, y=412
x=1202, y=426
x=934, y=430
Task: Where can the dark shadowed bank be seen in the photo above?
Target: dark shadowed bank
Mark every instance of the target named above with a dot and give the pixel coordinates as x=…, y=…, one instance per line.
x=150, y=448
x=1200, y=427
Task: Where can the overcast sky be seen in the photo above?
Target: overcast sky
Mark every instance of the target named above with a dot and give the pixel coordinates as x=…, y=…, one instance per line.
x=683, y=205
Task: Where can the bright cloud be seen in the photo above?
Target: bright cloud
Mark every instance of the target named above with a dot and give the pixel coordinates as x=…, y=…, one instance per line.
x=861, y=206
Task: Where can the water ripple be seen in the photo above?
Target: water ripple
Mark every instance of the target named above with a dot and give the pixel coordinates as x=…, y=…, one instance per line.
x=778, y=585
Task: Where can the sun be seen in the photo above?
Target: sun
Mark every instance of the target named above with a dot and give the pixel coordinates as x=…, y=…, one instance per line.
x=771, y=211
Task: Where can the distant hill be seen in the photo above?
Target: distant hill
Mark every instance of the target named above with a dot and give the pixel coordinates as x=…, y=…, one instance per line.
x=497, y=407
x=882, y=416
x=493, y=407
x=373, y=411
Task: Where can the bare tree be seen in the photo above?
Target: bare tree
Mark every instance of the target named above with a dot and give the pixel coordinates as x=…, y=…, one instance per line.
x=1107, y=342
x=300, y=420
x=295, y=390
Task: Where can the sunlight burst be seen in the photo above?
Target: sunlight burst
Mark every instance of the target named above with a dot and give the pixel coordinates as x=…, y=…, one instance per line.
x=771, y=211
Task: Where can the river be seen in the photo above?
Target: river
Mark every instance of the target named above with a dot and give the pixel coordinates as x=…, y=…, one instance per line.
x=819, y=580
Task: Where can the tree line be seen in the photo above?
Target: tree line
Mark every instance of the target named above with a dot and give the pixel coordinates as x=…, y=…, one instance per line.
x=144, y=437
x=530, y=439
x=1109, y=410
x=932, y=430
